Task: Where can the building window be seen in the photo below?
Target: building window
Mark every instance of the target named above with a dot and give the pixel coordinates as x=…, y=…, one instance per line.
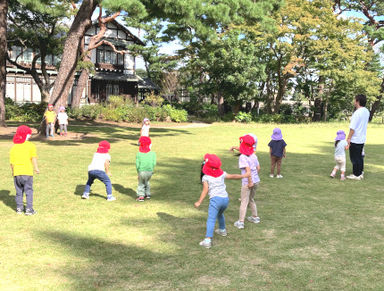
x=108, y=56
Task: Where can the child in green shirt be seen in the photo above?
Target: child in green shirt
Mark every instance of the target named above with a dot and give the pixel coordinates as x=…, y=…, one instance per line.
x=145, y=163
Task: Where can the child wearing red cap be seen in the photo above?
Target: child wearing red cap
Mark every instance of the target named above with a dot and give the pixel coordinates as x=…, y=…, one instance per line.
x=50, y=119
x=99, y=169
x=23, y=159
x=145, y=164
x=248, y=163
x=214, y=186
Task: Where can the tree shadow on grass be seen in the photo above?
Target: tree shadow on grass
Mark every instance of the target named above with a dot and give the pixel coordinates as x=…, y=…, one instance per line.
x=79, y=190
x=7, y=199
x=126, y=191
x=109, y=265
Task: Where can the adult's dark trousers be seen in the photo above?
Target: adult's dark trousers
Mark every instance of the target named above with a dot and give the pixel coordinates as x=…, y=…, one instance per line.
x=24, y=183
x=357, y=160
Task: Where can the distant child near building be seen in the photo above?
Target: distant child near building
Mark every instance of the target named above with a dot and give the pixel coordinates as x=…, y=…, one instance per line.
x=277, y=152
x=145, y=164
x=62, y=117
x=340, y=146
x=23, y=159
x=249, y=165
x=145, y=128
x=214, y=186
x=50, y=119
x=99, y=169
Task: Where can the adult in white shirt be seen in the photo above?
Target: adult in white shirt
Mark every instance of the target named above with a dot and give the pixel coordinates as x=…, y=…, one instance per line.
x=357, y=136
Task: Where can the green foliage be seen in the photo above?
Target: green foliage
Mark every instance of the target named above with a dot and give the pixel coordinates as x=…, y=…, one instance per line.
x=119, y=109
x=243, y=117
x=153, y=99
x=28, y=112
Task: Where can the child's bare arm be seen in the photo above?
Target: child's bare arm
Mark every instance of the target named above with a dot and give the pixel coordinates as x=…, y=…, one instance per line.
x=237, y=176
x=12, y=169
x=106, y=166
x=36, y=167
x=234, y=148
x=204, y=193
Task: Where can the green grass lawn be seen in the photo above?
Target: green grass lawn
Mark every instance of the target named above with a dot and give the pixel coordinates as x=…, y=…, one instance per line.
x=315, y=233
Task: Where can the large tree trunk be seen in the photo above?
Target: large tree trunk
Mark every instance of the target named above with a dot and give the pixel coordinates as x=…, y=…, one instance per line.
x=220, y=104
x=280, y=93
x=81, y=84
x=66, y=74
x=3, y=53
x=376, y=104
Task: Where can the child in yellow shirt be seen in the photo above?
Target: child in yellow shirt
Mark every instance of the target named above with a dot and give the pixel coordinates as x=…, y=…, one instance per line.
x=50, y=119
x=23, y=159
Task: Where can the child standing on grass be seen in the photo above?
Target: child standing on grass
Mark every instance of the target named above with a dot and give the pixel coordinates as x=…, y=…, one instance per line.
x=214, y=186
x=145, y=128
x=62, y=117
x=23, y=159
x=277, y=152
x=249, y=165
x=50, y=119
x=145, y=164
x=340, y=146
x=99, y=169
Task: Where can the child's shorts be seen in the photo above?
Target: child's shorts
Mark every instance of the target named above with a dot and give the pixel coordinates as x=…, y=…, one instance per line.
x=340, y=163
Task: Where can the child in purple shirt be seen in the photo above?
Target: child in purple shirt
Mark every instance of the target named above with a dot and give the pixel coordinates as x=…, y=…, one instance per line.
x=277, y=151
x=248, y=163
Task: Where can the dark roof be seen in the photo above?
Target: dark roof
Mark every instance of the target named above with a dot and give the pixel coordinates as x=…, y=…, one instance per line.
x=146, y=83
x=116, y=77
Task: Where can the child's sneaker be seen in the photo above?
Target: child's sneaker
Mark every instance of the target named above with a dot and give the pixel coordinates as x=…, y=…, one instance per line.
x=140, y=199
x=253, y=219
x=239, y=224
x=207, y=243
x=19, y=211
x=342, y=178
x=271, y=176
x=30, y=212
x=111, y=198
x=85, y=196
x=279, y=176
x=148, y=197
x=222, y=232
x=332, y=175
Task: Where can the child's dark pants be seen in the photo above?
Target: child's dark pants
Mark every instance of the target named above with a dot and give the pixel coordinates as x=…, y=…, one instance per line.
x=24, y=183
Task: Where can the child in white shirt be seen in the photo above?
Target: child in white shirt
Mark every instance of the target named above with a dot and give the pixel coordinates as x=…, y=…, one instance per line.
x=340, y=146
x=62, y=117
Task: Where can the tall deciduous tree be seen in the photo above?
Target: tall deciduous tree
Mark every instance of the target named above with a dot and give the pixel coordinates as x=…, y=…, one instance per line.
x=3, y=52
x=373, y=11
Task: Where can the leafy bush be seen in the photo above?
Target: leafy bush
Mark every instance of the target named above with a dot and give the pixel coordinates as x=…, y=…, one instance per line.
x=176, y=115
x=28, y=112
x=243, y=117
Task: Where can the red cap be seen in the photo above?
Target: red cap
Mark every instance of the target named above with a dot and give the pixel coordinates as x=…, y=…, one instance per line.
x=246, y=145
x=104, y=147
x=212, y=166
x=145, y=144
x=21, y=134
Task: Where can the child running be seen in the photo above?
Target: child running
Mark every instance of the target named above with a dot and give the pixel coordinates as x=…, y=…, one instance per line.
x=340, y=146
x=214, y=186
x=248, y=164
x=50, y=119
x=99, y=169
x=62, y=117
x=23, y=159
x=145, y=164
x=277, y=152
